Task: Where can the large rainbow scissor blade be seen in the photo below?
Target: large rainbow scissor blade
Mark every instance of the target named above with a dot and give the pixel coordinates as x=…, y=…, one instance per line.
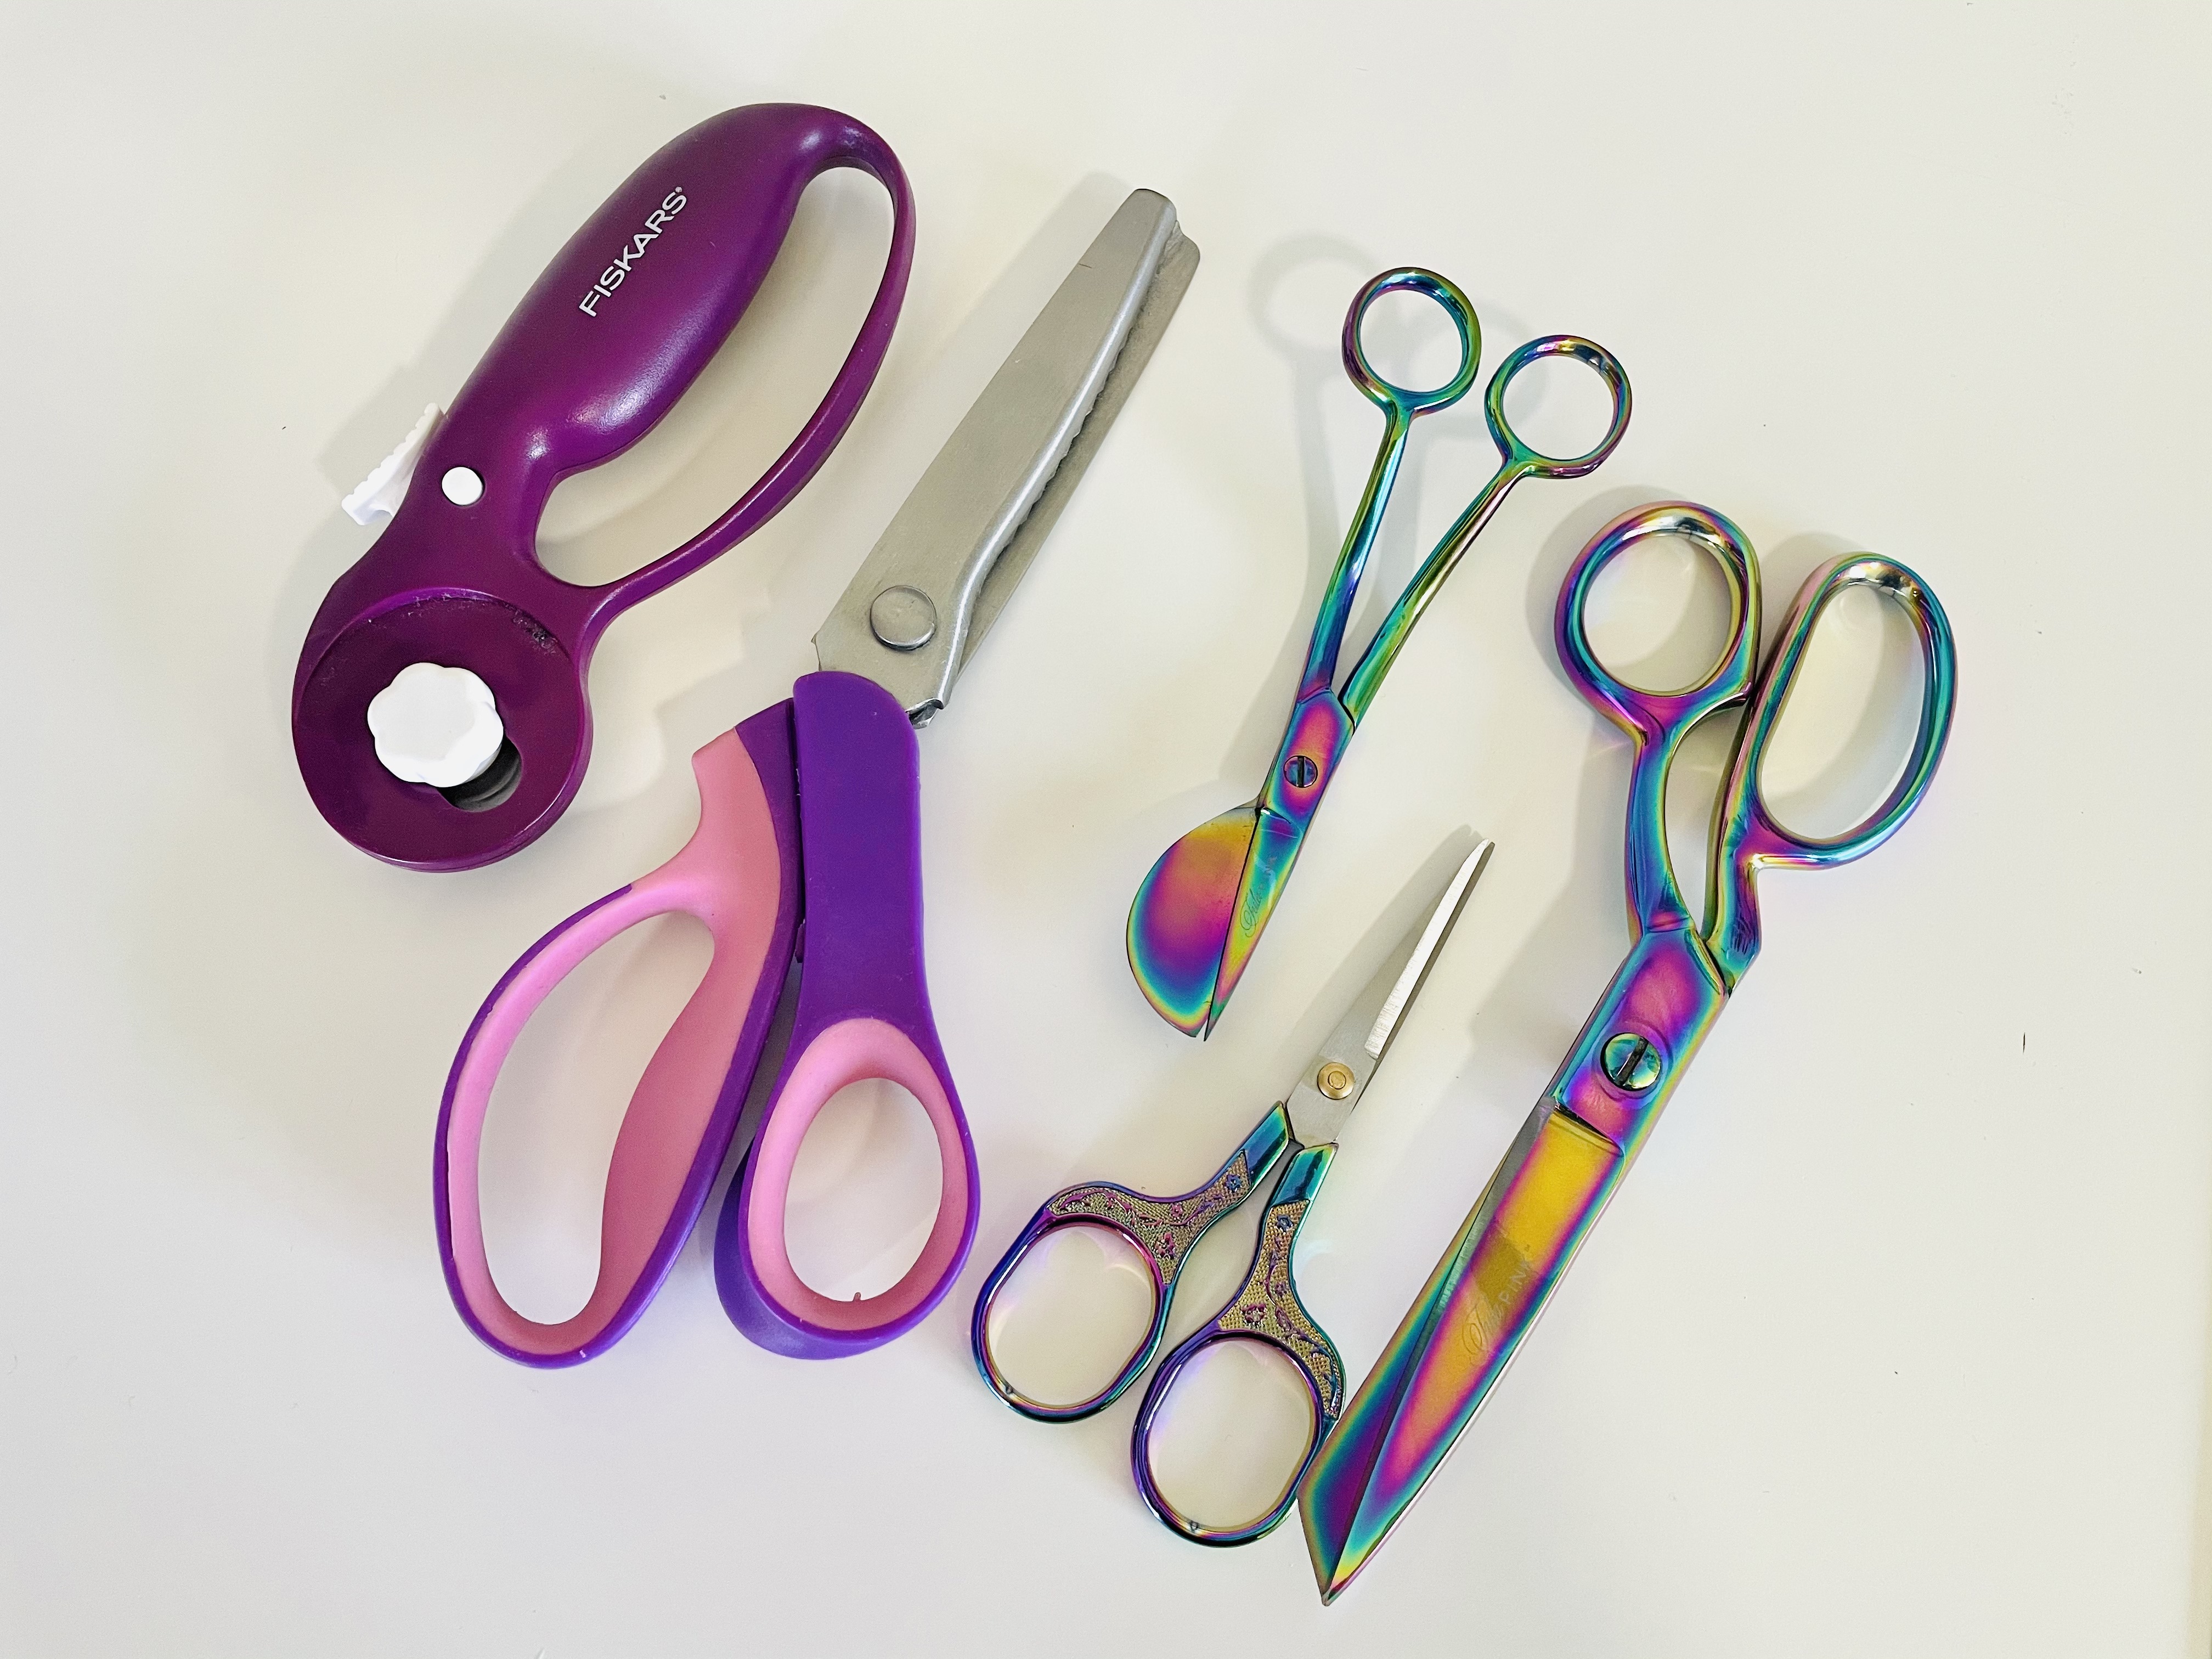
x=1455, y=1340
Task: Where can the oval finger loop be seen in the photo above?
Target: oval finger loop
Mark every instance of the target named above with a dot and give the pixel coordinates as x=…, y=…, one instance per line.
x=1653, y=716
x=1265, y=1321
x=1161, y=1231
x=1531, y=462
x=1749, y=823
x=1747, y=834
x=1226, y=1431
x=685, y=1106
x=1042, y=1336
x=761, y=1288
x=1456, y=306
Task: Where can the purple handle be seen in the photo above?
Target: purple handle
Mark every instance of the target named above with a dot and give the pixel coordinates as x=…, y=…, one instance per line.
x=603, y=344
x=863, y=1012
x=738, y=875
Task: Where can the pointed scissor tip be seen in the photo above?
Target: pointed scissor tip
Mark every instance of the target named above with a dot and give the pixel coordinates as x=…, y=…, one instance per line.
x=1198, y=1024
x=1331, y=1572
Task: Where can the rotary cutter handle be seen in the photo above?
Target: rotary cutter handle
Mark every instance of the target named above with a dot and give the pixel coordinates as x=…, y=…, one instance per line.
x=605, y=343
x=845, y=747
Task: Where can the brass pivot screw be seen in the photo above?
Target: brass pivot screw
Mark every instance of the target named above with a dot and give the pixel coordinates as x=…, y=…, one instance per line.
x=1334, y=1079
x=1631, y=1062
x=1299, y=771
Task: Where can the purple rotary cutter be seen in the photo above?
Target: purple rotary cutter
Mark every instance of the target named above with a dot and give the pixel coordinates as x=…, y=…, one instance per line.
x=602, y=346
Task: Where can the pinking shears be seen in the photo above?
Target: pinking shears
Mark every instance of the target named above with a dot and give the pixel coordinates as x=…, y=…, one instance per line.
x=1199, y=913
x=440, y=710
x=1570, y=1156
x=808, y=850
x=1295, y=1142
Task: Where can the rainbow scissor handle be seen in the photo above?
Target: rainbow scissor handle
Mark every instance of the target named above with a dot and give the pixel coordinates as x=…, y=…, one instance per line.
x=1267, y=1308
x=1198, y=916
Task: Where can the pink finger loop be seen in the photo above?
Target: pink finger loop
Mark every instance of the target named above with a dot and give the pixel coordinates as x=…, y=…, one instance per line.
x=681, y=1116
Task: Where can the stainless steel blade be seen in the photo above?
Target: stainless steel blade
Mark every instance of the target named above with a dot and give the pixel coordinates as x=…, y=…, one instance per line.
x=942, y=569
x=1339, y=1074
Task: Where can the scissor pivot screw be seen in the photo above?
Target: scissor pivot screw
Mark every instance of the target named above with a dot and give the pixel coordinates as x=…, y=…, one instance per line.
x=1299, y=771
x=1631, y=1062
x=1334, y=1079
x=903, y=618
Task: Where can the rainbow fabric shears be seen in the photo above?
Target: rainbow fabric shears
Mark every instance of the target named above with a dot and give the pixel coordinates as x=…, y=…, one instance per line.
x=808, y=848
x=1198, y=916
x=1164, y=1230
x=1500, y=1271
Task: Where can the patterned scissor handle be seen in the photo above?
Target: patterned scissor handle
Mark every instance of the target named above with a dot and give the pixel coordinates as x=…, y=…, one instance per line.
x=1164, y=1230
x=1266, y=1309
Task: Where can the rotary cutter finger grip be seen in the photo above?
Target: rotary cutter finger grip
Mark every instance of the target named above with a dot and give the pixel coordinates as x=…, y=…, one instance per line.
x=603, y=346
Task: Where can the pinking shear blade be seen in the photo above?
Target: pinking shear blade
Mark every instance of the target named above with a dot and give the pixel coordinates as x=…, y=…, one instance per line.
x=1199, y=915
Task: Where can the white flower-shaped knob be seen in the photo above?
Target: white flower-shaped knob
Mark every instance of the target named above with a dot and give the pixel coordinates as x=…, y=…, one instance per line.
x=435, y=725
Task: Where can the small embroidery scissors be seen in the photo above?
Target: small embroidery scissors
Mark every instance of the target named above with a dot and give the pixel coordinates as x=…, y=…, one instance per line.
x=808, y=849
x=1501, y=1271
x=1164, y=1230
x=1198, y=916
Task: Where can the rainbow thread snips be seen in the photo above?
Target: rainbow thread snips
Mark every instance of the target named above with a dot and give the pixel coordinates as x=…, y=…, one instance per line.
x=1200, y=913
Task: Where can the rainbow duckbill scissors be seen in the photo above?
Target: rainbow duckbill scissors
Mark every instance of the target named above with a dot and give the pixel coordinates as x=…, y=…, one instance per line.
x=1198, y=916
x=809, y=820
x=1500, y=1271
x=1164, y=1230
x=439, y=710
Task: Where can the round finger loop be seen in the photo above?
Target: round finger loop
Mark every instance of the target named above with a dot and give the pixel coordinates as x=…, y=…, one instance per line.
x=1456, y=306
x=1519, y=454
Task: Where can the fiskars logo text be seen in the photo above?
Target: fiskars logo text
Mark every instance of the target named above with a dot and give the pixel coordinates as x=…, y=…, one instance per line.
x=611, y=278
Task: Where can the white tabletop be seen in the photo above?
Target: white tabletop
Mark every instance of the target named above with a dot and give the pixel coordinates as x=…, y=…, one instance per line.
x=1895, y=1341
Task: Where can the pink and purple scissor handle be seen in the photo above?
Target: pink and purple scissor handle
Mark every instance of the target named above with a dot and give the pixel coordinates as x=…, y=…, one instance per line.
x=602, y=346
x=808, y=848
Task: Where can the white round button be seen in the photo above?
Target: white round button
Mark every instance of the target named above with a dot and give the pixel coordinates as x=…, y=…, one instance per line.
x=462, y=485
x=435, y=725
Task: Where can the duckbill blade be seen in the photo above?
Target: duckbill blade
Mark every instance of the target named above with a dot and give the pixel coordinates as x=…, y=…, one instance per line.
x=1198, y=915
x=1179, y=921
